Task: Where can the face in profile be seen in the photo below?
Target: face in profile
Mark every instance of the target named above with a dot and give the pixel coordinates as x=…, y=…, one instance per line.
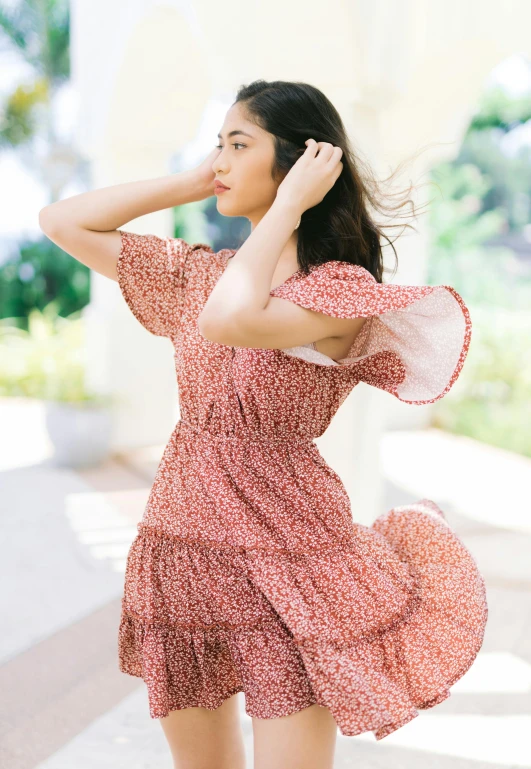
x=244, y=165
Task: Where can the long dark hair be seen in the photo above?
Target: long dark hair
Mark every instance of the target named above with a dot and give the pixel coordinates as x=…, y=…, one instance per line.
x=340, y=227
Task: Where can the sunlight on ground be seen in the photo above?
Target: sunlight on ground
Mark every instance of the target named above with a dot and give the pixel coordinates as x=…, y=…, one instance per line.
x=99, y=523
x=479, y=481
x=493, y=739
x=498, y=739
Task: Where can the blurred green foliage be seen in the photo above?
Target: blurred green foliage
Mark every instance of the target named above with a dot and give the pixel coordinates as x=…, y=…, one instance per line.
x=491, y=400
x=39, y=273
x=499, y=109
x=484, y=193
x=38, y=31
x=48, y=360
x=459, y=228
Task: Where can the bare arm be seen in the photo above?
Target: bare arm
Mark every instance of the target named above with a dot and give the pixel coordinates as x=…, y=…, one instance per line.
x=85, y=225
x=240, y=311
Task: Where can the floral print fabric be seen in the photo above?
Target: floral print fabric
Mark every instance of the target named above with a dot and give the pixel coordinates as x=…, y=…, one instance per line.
x=248, y=572
x=415, y=340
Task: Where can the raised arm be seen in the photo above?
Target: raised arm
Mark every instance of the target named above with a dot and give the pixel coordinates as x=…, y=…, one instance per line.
x=86, y=225
x=240, y=311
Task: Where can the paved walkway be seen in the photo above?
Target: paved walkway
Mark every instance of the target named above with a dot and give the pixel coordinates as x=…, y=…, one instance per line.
x=66, y=535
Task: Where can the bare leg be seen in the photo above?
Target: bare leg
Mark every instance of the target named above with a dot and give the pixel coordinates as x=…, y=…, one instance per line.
x=206, y=739
x=302, y=740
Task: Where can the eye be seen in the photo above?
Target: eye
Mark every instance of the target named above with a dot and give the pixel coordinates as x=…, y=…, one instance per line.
x=219, y=147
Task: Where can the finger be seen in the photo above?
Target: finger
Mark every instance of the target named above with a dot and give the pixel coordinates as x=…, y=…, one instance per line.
x=325, y=151
x=335, y=156
x=320, y=145
x=312, y=148
x=337, y=172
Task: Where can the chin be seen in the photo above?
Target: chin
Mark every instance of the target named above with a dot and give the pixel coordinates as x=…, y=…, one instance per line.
x=227, y=210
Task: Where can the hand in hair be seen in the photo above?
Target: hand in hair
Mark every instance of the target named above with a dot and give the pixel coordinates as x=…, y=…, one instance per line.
x=312, y=176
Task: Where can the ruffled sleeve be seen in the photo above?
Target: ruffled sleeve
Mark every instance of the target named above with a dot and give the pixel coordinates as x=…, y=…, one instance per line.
x=414, y=341
x=152, y=276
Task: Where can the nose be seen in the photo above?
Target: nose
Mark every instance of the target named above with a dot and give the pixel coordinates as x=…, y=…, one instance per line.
x=220, y=164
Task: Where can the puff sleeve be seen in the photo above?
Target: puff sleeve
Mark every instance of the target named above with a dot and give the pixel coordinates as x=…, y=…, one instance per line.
x=152, y=275
x=415, y=340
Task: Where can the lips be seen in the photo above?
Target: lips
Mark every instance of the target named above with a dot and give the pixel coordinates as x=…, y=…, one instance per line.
x=220, y=186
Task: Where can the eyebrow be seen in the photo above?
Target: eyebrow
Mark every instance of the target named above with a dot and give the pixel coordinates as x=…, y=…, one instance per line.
x=235, y=133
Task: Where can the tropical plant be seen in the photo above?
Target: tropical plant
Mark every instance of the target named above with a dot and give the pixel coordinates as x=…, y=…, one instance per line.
x=48, y=360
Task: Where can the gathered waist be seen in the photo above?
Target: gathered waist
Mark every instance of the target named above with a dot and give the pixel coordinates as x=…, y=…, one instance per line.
x=244, y=434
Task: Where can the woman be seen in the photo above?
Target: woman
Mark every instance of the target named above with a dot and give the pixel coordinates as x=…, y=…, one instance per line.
x=248, y=572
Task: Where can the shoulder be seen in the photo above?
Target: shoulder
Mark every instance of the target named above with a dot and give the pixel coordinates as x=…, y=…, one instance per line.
x=198, y=253
x=150, y=257
x=330, y=285
x=335, y=274
x=202, y=266
x=336, y=270
x=348, y=290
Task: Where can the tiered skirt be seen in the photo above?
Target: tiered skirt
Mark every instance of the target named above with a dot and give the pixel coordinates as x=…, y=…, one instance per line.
x=375, y=628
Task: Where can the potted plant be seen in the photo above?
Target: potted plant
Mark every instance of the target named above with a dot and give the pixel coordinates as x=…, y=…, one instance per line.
x=48, y=362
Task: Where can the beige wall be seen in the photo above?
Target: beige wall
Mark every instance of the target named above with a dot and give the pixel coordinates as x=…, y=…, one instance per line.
x=402, y=74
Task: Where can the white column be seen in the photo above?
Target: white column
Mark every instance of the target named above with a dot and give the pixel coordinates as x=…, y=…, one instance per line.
x=141, y=75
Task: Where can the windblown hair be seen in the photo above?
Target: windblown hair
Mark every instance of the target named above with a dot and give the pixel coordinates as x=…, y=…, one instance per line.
x=340, y=227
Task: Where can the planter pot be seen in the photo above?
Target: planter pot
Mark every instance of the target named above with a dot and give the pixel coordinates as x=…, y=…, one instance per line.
x=80, y=434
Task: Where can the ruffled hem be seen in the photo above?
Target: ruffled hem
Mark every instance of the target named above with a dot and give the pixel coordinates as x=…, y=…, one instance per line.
x=375, y=632
x=203, y=666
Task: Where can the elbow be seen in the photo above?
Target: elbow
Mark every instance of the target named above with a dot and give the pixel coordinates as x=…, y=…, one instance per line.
x=46, y=219
x=210, y=329
x=232, y=328
x=215, y=329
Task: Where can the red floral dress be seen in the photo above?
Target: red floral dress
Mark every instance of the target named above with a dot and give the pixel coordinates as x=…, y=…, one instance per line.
x=248, y=572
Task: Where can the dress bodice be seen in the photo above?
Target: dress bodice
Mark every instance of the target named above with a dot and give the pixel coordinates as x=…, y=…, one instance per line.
x=412, y=345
